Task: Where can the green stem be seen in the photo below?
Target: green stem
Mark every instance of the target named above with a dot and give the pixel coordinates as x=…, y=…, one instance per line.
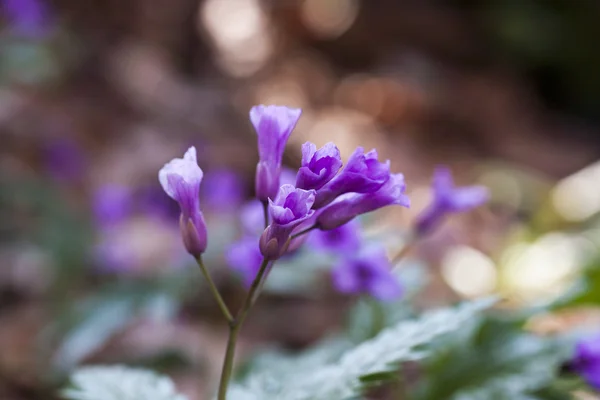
x=234, y=329
x=305, y=231
x=215, y=291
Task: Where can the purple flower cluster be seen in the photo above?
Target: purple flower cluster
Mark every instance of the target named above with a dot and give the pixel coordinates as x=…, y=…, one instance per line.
x=586, y=360
x=324, y=195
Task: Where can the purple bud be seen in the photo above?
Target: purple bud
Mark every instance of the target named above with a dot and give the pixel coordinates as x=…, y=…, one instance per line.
x=586, y=360
x=290, y=208
x=180, y=179
x=222, y=190
x=318, y=166
x=244, y=257
x=448, y=199
x=350, y=205
x=369, y=271
x=273, y=125
x=362, y=174
x=345, y=239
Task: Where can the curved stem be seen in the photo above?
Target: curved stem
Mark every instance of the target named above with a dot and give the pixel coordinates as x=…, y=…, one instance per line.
x=234, y=329
x=215, y=291
x=302, y=232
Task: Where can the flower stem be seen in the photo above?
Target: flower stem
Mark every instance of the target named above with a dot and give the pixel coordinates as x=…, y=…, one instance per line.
x=408, y=244
x=305, y=231
x=234, y=329
x=266, y=213
x=215, y=291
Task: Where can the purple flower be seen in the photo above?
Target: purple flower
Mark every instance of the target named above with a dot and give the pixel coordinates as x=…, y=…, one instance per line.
x=274, y=125
x=318, y=166
x=111, y=205
x=64, y=160
x=345, y=239
x=180, y=179
x=244, y=257
x=223, y=190
x=369, y=271
x=586, y=360
x=448, y=199
x=291, y=207
x=362, y=174
x=350, y=205
x=27, y=17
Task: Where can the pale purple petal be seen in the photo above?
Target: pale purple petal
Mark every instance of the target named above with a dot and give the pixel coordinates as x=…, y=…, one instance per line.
x=187, y=168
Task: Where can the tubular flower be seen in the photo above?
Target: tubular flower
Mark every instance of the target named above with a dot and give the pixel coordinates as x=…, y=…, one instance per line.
x=273, y=125
x=290, y=208
x=448, y=199
x=350, y=205
x=180, y=179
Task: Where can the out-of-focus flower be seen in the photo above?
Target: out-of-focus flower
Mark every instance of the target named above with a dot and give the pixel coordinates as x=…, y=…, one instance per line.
x=369, y=271
x=274, y=125
x=448, y=199
x=27, y=17
x=244, y=257
x=180, y=179
x=64, y=160
x=287, y=177
x=152, y=202
x=345, y=239
x=350, y=205
x=115, y=256
x=290, y=208
x=362, y=174
x=252, y=218
x=111, y=205
x=586, y=360
x=222, y=190
x=318, y=166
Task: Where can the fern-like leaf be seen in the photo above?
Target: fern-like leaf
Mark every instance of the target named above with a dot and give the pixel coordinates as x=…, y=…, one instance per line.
x=120, y=383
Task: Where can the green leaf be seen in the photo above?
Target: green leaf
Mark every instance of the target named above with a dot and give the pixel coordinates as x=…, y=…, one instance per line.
x=120, y=383
x=340, y=378
x=491, y=359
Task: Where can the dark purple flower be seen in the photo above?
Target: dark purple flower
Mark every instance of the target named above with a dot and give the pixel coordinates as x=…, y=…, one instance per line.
x=152, y=202
x=180, y=179
x=274, y=125
x=362, y=174
x=345, y=239
x=27, y=17
x=318, y=166
x=64, y=159
x=244, y=257
x=290, y=208
x=350, y=205
x=369, y=271
x=586, y=360
x=111, y=205
x=448, y=199
x=222, y=190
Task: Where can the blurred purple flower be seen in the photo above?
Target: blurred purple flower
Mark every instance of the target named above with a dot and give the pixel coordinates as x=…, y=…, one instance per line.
x=222, y=190
x=362, y=174
x=287, y=177
x=274, y=125
x=111, y=205
x=27, y=17
x=180, y=179
x=113, y=255
x=244, y=257
x=369, y=271
x=586, y=360
x=64, y=160
x=152, y=202
x=318, y=166
x=448, y=199
x=290, y=208
x=350, y=205
x=345, y=239
x=252, y=218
